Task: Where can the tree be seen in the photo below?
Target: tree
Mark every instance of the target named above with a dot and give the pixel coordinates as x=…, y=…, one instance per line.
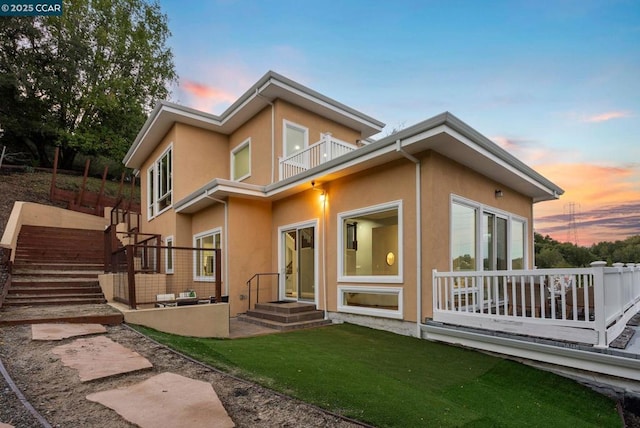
x=83, y=81
x=550, y=253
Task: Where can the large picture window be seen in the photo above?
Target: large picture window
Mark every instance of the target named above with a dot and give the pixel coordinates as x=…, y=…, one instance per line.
x=160, y=184
x=486, y=239
x=241, y=161
x=370, y=244
x=204, y=260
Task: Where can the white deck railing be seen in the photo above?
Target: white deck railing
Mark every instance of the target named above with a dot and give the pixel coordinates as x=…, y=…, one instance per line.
x=326, y=149
x=586, y=305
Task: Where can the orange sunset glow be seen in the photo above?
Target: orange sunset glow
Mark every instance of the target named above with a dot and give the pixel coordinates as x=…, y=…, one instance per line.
x=605, y=199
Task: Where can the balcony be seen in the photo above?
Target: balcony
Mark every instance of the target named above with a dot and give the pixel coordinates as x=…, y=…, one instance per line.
x=588, y=306
x=326, y=149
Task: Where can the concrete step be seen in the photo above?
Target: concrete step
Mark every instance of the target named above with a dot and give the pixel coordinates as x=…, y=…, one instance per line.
x=285, y=318
x=58, y=299
x=284, y=326
x=63, y=266
x=285, y=307
x=85, y=313
x=38, y=274
x=48, y=290
x=22, y=281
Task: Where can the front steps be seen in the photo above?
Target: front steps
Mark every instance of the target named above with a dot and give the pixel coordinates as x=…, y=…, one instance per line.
x=285, y=316
x=56, y=266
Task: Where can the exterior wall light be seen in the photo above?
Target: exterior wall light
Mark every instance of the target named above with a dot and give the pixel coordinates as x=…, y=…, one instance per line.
x=499, y=193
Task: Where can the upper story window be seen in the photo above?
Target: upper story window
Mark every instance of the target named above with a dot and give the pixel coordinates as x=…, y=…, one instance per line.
x=296, y=138
x=241, y=161
x=160, y=184
x=370, y=244
x=486, y=239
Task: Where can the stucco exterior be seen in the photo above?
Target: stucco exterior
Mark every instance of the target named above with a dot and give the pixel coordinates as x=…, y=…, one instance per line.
x=270, y=224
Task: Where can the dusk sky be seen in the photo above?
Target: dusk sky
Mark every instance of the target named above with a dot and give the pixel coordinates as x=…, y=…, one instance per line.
x=556, y=83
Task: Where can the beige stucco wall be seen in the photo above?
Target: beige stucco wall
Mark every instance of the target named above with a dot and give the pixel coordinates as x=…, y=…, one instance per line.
x=249, y=251
x=251, y=237
x=388, y=183
x=29, y=213
x=315, y=123
x=259, y=130
x=305, y=207
x=199, y=156
x=211, y=320
x=443, y=177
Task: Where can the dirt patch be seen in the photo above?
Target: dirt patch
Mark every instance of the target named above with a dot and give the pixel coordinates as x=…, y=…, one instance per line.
x=57, y=393
x=26, y=187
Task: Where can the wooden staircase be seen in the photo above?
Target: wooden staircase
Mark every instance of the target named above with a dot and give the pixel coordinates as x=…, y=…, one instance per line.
x=56, y=266
x=285, y=316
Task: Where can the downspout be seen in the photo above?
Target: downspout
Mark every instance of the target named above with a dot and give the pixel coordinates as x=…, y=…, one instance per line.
x=324, y=254
x=416, y=161
x=226, y=240
x=273, y=133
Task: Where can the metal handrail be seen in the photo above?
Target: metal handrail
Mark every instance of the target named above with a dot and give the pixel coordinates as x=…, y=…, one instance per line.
x=258, y=275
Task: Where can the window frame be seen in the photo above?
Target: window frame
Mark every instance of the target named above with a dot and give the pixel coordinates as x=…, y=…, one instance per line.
x=169, y=255
x=367, y=310
x=480, y=211
x=154, y=174
x=211, y=232
x=245, y=144
x=286, y=124
x=399, y=258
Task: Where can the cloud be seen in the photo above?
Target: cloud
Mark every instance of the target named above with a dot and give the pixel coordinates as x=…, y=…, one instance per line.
x=529, y=151
x=610, y=115
x=200, y=90
x=605, y=223
x=604, y=200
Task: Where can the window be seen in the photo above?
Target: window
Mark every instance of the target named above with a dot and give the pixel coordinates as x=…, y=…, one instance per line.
x=296, y=138
x=168, y=260
x=463, y=237
x=160, y=184
x=370, y=246
x=373, y=301
x=204, y=267
x=486, y=239
x=241, y=161
x=518, y=239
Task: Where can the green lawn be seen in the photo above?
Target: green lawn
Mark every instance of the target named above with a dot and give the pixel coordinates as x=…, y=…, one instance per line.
x=390, y=380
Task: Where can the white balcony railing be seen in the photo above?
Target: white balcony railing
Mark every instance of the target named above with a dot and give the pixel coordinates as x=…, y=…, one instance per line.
x=586, y=305
x=326, y=149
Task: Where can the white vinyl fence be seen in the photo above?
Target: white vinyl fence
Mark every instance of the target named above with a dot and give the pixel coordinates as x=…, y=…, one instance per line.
x=585, y=305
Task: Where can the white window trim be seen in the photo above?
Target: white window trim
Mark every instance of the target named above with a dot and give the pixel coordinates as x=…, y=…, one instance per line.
x=480, y=209
x=239, y=148
x=374, y=312
x=153, y=192
x=151, y=205
x=286, y=123
x=217, y=230
x=167, y=240
x=381, y=279
x=316, y=254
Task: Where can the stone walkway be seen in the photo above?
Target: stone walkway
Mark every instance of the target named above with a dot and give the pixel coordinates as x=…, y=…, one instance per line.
x=166, y=399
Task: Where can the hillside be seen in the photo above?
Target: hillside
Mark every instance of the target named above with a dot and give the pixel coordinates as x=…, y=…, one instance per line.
x=35, y=186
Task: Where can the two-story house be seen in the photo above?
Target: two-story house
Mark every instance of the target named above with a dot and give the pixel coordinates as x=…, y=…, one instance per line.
x=288, y=181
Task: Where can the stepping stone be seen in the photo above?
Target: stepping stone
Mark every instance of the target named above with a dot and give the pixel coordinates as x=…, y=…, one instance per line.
x=167, y=400
x=2, y=425
x=63, y=331
x=98, y=357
